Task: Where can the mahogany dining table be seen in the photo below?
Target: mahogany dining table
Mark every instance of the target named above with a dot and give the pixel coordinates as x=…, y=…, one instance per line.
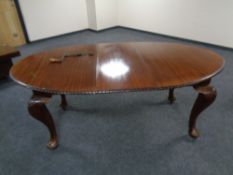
x=117, y=67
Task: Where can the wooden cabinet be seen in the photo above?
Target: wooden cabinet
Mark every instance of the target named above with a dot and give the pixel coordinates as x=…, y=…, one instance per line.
x=6, y=54
x=11, y=32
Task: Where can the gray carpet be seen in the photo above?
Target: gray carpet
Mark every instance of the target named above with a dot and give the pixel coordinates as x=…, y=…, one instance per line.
x=136, y=133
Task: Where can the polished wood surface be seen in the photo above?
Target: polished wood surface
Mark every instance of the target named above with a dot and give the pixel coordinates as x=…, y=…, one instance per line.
x=103, y=68
x=37, y=108
x=206, y=96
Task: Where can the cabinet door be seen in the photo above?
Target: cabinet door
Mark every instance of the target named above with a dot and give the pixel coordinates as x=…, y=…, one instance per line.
x=11, y=32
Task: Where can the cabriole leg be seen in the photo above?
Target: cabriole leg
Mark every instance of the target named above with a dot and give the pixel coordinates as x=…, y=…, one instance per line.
x=206, y=96
x=63, y=104
x=171, y=96
x=37, y=108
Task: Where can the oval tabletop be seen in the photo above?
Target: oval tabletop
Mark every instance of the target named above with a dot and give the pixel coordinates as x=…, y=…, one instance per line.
x=111, y=67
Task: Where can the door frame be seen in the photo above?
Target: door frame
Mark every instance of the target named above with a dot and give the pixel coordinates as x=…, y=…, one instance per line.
x=22, y=21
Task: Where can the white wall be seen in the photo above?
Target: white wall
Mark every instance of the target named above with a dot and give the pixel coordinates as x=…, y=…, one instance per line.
x=91, y=13
x=106, y=13
x=46, y=18
x=209, y=21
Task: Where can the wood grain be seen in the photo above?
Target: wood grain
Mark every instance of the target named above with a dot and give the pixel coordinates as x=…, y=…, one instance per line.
x=149, y=65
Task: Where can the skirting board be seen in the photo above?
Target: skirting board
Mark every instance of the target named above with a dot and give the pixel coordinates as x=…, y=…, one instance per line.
x=138, y=30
